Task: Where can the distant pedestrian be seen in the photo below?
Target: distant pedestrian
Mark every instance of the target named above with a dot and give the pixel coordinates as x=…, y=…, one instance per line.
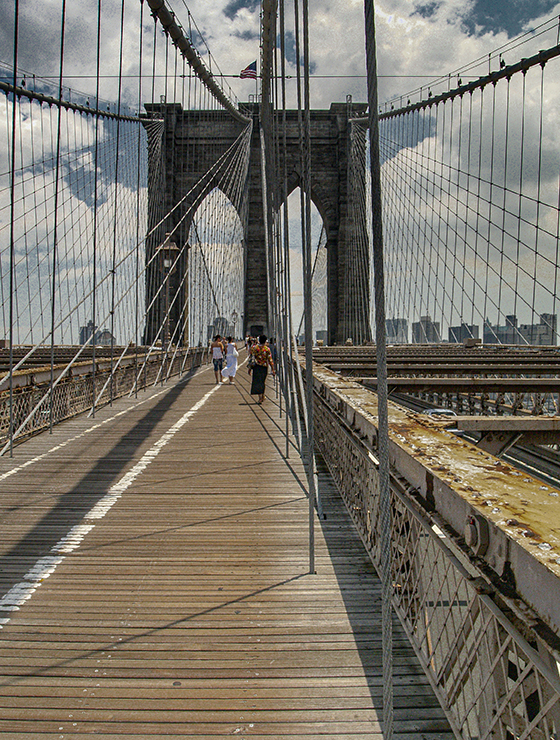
x=217, y=356
x=262, y=357
x=231, y=360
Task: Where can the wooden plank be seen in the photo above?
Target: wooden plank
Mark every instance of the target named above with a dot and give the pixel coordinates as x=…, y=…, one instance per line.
x=188, y=608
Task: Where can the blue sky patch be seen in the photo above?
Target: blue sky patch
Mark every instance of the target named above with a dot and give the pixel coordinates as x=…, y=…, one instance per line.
x=493, y=16
x=427, y=10
x=510, y=16
x=247, y=35
x=290, y=51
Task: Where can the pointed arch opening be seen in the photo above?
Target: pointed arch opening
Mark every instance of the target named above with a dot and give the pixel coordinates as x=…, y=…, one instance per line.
x=319, y=269
x=216, y=270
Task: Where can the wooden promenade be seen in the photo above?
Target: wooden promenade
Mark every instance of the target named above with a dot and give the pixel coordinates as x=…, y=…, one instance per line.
x=155, y=584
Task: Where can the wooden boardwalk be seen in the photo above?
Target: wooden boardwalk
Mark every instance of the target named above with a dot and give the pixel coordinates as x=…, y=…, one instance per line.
x=154, y=572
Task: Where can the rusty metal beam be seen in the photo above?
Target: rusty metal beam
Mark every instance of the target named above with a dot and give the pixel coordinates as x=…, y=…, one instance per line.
x=469, y=385
x=519, y=515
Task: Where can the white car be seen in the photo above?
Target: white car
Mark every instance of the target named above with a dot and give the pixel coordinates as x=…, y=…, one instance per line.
x=442, y=415
x=439, y=413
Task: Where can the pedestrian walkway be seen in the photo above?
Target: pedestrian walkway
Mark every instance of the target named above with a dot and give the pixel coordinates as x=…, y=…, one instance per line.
x=155, y=579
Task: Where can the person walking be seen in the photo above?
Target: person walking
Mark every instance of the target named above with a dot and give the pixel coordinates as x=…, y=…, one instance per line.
x=262, y=358
x=231, y=361
x=217, y=356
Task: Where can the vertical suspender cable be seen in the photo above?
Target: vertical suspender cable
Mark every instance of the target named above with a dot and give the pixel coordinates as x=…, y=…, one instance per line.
x=277, y=262
x=307, y=293
x=518, y=238
x=537, y=219
x=55, y=225
x=12, y=223
x=114, y=257
x=491, y=204
x=154, y=59
x=383, y=420
x=95, y=182
x=137, y=266
x=168, y=117
x=286, y=288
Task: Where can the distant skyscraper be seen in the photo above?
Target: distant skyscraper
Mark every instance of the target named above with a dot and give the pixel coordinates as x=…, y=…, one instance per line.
x=543, y=333
x=458, y=334
x=397, y=331
x=104, y=337
x=86, y=331
x=425, y=331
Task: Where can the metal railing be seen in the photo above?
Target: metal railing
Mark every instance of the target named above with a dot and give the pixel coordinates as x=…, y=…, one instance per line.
x=494, y=671
x=75, y=394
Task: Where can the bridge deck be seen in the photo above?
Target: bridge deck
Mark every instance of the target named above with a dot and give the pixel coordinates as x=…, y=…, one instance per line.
x=178, y=601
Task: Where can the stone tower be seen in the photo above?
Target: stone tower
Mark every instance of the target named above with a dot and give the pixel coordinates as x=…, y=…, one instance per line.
x=188, y=143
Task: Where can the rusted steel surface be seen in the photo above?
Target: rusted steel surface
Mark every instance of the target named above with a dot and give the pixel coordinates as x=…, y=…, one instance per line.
x=460, y=480
x=508, y=380
x=475, y=560
x=426, y=354
x=468, y=385
x=154, y=568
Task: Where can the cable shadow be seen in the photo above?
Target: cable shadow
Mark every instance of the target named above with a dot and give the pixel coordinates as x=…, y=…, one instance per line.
x=70, y=507
x=147, y=633
x=258, y=415
x=198, y=523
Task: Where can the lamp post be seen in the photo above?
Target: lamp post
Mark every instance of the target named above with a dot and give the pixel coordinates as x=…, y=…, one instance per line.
x=168, y=254
x=234, y=317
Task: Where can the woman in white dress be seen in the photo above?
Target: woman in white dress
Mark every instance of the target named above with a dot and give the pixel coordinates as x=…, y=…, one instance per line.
x=231, y=361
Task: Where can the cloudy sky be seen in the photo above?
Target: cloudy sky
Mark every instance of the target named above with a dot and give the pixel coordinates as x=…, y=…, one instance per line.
x=416, y=39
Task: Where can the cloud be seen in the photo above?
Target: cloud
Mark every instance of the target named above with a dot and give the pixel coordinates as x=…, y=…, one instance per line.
x=296, y=267
x=34, y=224
x=233, y=7
x=429, y=38
x=216, y=265
x=416, y=42
x=247, y=35
x=427, y=10
x=471, y=222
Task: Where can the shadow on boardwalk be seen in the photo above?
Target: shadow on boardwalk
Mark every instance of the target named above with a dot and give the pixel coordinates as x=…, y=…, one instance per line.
x=71, y=506
x=191, y=610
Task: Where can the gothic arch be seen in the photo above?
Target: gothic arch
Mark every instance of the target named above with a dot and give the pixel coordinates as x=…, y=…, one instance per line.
x=329, y=161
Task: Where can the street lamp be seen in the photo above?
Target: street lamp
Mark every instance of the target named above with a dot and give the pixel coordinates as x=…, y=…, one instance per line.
x=234, y=317
x=168, y=254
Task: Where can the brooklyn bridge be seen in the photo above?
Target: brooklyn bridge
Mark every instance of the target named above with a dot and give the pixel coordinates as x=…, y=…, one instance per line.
x=374, y=550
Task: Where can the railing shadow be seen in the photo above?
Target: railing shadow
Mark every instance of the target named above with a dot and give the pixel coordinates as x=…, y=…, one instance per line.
x=69, y=509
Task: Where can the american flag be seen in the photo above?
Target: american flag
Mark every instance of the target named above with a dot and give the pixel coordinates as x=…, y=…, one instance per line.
x=249, y=72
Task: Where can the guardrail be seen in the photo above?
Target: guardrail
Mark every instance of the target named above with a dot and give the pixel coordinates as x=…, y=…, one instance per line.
x=488, y=640
x=75, y=392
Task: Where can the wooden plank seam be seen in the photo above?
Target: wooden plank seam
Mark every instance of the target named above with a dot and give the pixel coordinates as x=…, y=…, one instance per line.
x=43, y=568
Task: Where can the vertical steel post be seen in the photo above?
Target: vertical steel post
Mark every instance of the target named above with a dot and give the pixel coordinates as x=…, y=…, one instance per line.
x=382, y=391
x=12, y=226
